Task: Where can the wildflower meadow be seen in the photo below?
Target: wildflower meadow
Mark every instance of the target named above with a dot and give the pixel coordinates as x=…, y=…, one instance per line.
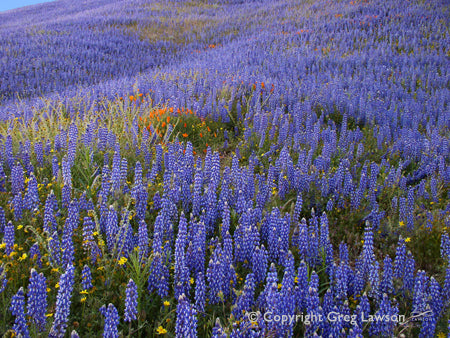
x=225, y=169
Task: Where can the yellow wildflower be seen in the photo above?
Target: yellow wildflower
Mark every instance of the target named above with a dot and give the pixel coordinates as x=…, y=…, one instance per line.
x=161, y=330
x=122, y=260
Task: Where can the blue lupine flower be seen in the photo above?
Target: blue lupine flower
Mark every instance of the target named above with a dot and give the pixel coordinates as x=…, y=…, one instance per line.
x=367, y=255
x=112, y=228
x=435, y=297
x=143, y=241
x=139, y=192
x=217, y=331
x=259, y=264
x=2, y=220
x=362, y=310
x=374, y=281
x=86, y=278
x=186, y=323
x=51, y=205
x=341, y=282
x=400, y=259
x=131, y=302
x=200, y=292
x=448, y=329
x=18, y=310
x=111, y=322
x=408, y=280
x=445, y=247
x=35, y=253
x=55, y=167
x=63, y=301
x=31, y=199
x=446, y=286
x=8, y=238
x=115, y=172
x=246, y=298
x=387, y=285
x=3, y=278
x=384, y=328
x=37, y=299
x=313, y=305
x=17, y=206
x=428, y=323
x=159, y=276
x=215, y=276
x=17, y=179
x=88, y=232
x=302, y=287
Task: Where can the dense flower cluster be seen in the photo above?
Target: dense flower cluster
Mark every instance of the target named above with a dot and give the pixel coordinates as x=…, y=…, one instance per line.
x=324, y=194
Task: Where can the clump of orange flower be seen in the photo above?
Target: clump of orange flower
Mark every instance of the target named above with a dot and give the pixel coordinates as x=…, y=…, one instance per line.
x=186, y=125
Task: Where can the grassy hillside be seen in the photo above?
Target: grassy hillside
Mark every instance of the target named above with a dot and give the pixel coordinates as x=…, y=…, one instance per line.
x=225, y=168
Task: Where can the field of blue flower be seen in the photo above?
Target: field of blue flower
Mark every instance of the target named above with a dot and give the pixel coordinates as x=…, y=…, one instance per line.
x=225, y=168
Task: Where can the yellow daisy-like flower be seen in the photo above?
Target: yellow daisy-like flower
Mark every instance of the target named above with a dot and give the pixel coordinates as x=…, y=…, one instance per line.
x=20, y=226
x=84, y=292
x=191, y=280
x=122, y=260
x=161, y=330
x=49, y=315
x=83, y=299
x=56, y=285
x=23, y=257
x=408, y=239
x=166, y=303
x=401, y=223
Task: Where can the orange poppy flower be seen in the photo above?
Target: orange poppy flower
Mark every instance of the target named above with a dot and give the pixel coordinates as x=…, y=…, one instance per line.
x=185, y=135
